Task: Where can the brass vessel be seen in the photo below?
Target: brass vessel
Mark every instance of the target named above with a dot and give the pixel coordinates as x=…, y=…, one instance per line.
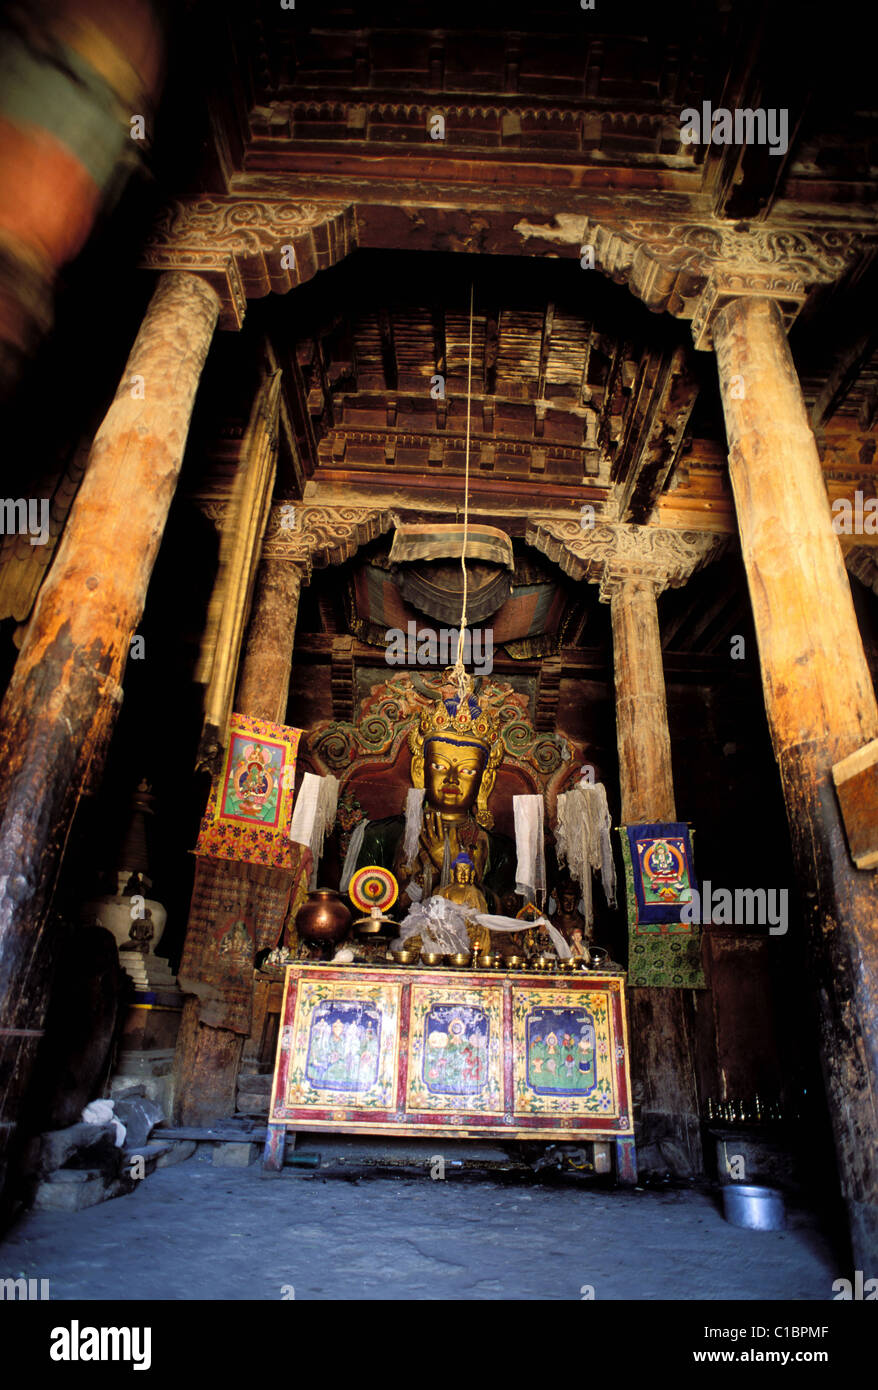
x=405, y=957
x=459, y=958
x=431, y=957
x=323, y=919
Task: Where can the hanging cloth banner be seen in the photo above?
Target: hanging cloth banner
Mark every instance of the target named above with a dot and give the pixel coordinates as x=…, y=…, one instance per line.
x=314, y=816
x=530, y=870
x=663, y=950
x=250, y=805
x=582, y=842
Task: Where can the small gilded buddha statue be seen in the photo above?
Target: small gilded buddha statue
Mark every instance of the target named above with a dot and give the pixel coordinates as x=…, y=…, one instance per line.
x=463, y=892
x=567, y=918
x=456, y=750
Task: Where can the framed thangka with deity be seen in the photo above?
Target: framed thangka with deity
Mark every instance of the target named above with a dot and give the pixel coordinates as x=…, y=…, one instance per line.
x=250, y=805
x=380, y=1050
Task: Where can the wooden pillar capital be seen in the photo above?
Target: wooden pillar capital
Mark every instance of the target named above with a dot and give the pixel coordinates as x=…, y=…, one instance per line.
x=249, y=247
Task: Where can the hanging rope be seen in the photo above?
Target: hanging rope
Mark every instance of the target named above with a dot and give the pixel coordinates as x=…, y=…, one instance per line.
x=464, y=684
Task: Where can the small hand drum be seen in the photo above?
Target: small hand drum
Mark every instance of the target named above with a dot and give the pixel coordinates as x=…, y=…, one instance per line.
x=373, y=890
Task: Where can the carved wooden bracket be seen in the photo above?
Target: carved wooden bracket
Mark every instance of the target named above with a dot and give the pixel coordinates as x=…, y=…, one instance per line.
x=311, y=536
x=609, y=553
x=862, y=560
x=691, y=269
x=247, y=248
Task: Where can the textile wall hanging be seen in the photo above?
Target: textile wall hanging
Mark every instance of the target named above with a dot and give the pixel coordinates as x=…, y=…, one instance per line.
x=663, y=950
x=236, y=911
x=250, y=805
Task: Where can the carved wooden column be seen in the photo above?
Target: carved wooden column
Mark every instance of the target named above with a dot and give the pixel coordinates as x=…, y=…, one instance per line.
x=821, y=707
x=208, y=1059
x=662, y=1055
x=63, y=698
x=645, y=776
x=264, y=682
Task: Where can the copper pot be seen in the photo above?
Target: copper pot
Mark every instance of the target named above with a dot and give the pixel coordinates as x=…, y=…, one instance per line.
x=323, y=919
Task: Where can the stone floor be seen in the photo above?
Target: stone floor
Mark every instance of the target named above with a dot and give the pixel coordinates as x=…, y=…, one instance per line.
x=198, y=1231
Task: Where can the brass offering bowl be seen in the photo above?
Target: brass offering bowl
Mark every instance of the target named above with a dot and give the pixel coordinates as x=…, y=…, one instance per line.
x=404, y=957
x=515, y=962
x=490, y=960
x=431, y=957
x=459, y=958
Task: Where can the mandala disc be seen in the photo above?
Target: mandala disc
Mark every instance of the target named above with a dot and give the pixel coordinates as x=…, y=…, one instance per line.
x=373, y=887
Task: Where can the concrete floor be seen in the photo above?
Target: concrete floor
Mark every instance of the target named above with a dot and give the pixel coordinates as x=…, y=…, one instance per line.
x=197, y=1231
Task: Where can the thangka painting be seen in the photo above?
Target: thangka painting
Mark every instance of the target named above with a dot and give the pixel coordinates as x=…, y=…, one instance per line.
x=374, y=1049
x=455, y=1057
x=663, y=948
x=567, y=1055
x=250, y=806
x=342, y=1046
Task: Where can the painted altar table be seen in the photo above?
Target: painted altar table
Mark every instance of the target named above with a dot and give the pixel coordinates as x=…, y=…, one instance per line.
x=454, y=1053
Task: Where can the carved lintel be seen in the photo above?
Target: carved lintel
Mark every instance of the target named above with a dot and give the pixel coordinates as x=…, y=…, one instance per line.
x=247, y=248
x=608, y=553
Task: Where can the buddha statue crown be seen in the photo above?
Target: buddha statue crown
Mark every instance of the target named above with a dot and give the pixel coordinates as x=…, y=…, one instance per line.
x=465, y=720
x=460, y=719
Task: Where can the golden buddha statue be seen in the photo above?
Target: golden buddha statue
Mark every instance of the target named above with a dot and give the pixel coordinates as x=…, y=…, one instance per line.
x=456, y=750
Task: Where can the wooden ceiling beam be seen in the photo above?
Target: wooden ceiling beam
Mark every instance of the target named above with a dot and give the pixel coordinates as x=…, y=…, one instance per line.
x=389, y=364
x=545, y=349
x=656, y=427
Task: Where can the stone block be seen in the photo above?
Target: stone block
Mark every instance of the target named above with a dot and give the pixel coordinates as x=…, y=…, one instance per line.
x=126, y=1092
x=79, y=1146
x=150, y=1155
x=177, y=1153
x=256, y=1083
x=139, y=1116
x=75, y=1191
x=253, y=1103
x=234, y=1155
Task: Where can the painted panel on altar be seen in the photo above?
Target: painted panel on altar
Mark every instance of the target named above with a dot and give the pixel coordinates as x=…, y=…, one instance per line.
x=343, y=1045
x=455, y=1050
x=565, y=1054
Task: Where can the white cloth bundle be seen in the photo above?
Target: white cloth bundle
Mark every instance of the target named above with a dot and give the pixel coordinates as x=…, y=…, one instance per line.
x=314, y=815
x=414, y=817
x=530, y=870
x=100, y=1112
x=582, y=841
x=353, y=854
x=511, y=924
x=439, y=923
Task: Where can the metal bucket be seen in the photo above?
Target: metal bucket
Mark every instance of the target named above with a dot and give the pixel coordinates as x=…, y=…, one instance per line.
x=756, y=1208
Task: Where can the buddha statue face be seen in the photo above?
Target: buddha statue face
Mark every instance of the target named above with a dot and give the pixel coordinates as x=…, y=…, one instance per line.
x=456, y=750
x=567, y=901
x=462, y=873
x=452, y=775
